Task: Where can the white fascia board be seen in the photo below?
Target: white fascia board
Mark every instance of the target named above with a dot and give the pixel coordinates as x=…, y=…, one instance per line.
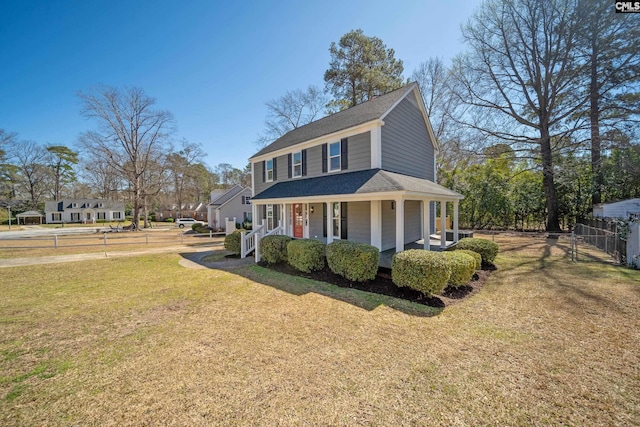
x=387, y=195
x=332, y=137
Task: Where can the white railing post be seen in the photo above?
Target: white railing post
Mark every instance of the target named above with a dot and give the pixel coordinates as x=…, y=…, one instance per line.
x=243, y=245
x=257, y=247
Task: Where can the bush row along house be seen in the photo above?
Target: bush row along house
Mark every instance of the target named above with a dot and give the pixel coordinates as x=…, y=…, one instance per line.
x=365, y=174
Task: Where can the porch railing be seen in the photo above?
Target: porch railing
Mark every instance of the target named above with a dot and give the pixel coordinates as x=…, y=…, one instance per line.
x=251, y=241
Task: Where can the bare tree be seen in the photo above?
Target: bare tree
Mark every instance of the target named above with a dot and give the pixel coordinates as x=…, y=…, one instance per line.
x=520, y=78
x=33, y=176
x=103, y=179
x=181, y=171
x=131, y=136
x=290, y=111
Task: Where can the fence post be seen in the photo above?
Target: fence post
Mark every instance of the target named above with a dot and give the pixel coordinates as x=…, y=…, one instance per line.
x=55, y=241
x=104, y=237
x=573, y=246
x=146, y=237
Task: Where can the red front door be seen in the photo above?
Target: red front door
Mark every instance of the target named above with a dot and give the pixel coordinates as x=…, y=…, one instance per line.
x=297, y=220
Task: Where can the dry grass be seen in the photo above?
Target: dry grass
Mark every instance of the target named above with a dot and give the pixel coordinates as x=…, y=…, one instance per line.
x=143, y=341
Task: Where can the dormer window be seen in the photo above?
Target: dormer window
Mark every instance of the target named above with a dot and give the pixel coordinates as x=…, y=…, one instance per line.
x=297, y=164
x=74, y=205
x=269, y=170
x=334, y=157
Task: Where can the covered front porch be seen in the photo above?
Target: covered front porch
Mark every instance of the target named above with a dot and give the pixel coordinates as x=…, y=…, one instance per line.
x=384, y=209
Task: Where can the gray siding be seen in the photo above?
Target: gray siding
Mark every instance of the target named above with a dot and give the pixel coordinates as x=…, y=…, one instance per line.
x=359, y=153
x=412, y=221
x=359, y=158
x=406, y=146
x=388, y=226
x=359, y=222
x=234, y=208
x=315, y=220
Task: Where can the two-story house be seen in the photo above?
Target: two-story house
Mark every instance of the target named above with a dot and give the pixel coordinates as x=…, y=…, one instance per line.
x=366, y=174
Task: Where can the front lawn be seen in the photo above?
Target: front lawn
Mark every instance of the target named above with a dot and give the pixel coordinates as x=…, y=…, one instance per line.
x=145, y=341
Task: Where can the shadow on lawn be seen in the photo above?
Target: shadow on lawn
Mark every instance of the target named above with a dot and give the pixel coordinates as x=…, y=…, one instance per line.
x=300, y=286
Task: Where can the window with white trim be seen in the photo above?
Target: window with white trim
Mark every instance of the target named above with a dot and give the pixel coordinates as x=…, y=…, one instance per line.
x=269, y=217
x=296, y=164
x=56, y=216
x=334, y=157
x=75, y=216
x=116, y=215
x=268, y=165
x=336, y=220
x=246, y=200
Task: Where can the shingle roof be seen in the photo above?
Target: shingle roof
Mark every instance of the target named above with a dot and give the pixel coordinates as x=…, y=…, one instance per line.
x=354, y=116
x=359, y=182
x=225, y=197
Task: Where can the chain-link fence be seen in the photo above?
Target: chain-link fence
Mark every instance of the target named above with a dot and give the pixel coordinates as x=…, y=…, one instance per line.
x=604, y=236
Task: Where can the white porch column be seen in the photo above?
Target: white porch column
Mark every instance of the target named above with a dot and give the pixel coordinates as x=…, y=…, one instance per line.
x=399, y=224
x=443, y=224
x=255, y=221
x=376, y=224
x=426, y=222
x=455, y=221
x=284, y=219
x=329, y=222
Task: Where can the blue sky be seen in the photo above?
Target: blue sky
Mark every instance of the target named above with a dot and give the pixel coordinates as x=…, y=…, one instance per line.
x=213, y=64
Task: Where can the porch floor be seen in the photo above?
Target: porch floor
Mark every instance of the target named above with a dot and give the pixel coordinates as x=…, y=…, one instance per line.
x=434, y=242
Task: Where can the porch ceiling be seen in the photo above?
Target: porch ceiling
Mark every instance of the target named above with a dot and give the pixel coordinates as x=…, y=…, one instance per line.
x=370, y=184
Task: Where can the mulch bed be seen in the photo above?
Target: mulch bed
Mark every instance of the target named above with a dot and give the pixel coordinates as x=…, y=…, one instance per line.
x=384, y=285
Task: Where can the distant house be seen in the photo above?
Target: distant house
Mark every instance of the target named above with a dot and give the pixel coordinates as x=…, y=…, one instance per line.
x=186, y=210
x=83, y=211
x=233, y=203
x=622, y=209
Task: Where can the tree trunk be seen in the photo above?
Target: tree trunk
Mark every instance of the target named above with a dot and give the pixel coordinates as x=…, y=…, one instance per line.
x=553, y=224
x=137, y=202
x=594, y=117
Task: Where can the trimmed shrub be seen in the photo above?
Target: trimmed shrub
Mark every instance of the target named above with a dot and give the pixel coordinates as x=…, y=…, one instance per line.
x=486, y=248
x=476, y=256
x=354, y=261
x=274, y=249
x=232, y=242
x=462, y=268
x=425, y=271
x=169, y=220
x=306, y=254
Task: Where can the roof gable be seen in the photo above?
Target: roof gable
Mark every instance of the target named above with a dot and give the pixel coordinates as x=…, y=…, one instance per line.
x=230, y=194
x=374, y=109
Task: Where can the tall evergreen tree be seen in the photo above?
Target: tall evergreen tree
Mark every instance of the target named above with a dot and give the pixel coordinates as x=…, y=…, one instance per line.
x=361, y=67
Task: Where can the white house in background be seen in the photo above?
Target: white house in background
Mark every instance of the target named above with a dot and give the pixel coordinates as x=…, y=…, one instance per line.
x=622, y=209
x=235, y=202
x=366, y=174
x=83, y=211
